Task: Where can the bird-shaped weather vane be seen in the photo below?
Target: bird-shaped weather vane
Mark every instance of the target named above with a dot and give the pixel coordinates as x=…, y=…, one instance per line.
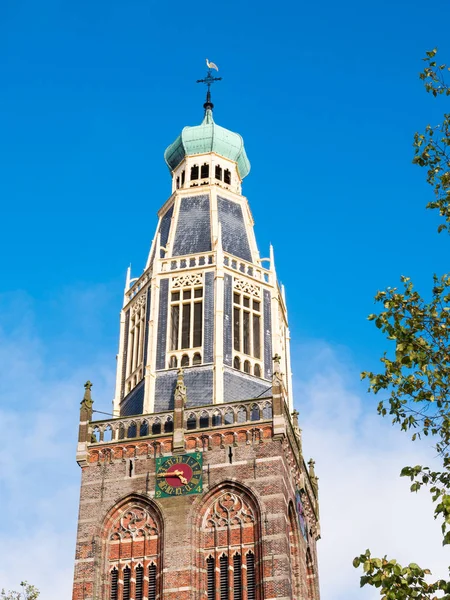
x=208, y=81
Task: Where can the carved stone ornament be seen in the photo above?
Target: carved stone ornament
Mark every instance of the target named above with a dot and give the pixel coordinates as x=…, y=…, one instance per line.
x=138, y=303
x=134, y=522
x=229, y=509
x=187, y=280
x=247, y=287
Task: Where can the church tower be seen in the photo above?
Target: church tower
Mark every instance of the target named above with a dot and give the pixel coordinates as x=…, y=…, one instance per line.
x=197, y=488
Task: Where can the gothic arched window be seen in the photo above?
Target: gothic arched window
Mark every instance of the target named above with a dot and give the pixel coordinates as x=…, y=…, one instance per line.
x=191, y=422
x=229, y=546
x=133, y=530
x=204, y=171
x=227, y=176
x=219, y=172
x=294, y=546
x=194, y=172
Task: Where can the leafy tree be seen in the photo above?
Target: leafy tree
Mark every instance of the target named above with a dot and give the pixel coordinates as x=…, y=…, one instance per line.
x=416, y=376
x=29, y=592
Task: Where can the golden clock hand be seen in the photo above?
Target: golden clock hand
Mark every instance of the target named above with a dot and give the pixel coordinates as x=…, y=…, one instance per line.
x=176, y=473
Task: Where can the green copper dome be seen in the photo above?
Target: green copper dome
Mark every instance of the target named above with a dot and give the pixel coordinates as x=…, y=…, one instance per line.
x=208, y=137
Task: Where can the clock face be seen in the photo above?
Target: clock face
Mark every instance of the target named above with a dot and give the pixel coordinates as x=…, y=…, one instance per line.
x=179, y=475
x=301, y=515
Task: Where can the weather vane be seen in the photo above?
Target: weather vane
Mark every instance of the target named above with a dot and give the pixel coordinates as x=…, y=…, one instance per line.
x=208, y=81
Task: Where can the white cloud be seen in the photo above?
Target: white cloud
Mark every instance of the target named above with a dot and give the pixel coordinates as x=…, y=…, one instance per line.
x=363, y=501
x=39, y=482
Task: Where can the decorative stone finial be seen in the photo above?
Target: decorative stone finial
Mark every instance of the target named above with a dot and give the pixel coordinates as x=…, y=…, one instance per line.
x=277, y=374
x=180, y=389
x=180, y=399
x=87, y=401
x=313, y=476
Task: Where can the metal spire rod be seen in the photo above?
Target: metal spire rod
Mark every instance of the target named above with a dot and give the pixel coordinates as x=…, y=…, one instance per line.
x=208, y=81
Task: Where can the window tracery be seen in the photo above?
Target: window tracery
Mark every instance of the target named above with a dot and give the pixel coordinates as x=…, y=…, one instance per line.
x=135, y=342
x=133, y=550
x=229, y=531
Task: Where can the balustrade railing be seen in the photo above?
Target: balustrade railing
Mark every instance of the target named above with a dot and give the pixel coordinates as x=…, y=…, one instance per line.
x=187, y=262
x=246, y=268
x=195, y=418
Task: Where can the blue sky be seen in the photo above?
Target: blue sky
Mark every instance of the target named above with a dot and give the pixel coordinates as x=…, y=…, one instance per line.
x=327, y=98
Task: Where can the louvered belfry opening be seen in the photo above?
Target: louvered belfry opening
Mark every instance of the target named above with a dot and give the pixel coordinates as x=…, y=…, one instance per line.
x=237, y=577
x=230, y=525
x=223, y=560
x=114, y=590
x=126, y=583
x=211, y=576
x=251, y=577
x=139, y=593
x=152, y=582
x=133, y=552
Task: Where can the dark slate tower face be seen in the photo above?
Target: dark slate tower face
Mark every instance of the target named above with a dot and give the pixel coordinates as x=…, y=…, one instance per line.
x=206, y=301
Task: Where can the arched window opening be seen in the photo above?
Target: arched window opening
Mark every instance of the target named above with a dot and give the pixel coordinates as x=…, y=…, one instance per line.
x=229, y=417
x=254, y=413
x=143, y=431
x=218, y=172
x=134, y=534
x=121, y=432
x=186, y=318
x=211, y=578
x=204, y=171
x=223, y=561
x=231, y=574
x=197, y=359
x=241, y=415
x=227, y=176
x=156, y=427
x=246, y=325
x=237, y=363
x=132, y=431
x=108, y=435
x=251, y=579
x=183, y=177
x=216, y=419
x=204, y=420
x=194, y=172
x=257, y=370
x=294, y=551
x=237, y=577
x=178, y=183
x=267, y=411
x=191, y=422
x=247, y=367
x=173, y=363
x=126, y=583
x=185, y=360
x=139, y=593
x=168, y=425
x=114, y=578
x=152, y=582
